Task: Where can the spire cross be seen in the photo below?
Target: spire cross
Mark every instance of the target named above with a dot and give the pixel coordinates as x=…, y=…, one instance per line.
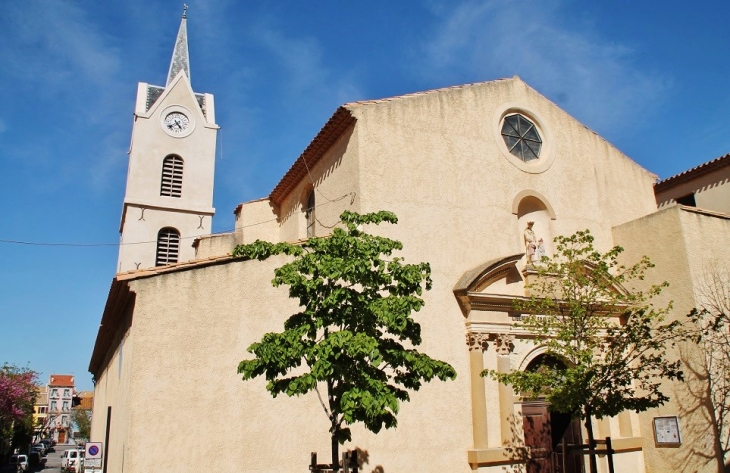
x=185, y=10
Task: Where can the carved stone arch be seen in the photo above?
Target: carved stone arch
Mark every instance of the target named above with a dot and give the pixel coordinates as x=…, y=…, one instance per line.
x=531, y=356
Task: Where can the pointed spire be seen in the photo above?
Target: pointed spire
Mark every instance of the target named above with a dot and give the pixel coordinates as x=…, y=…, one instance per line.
x=180, y=58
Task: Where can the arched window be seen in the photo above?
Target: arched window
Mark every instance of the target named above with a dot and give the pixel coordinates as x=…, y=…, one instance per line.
x=309, y=214
x=168, y=246
x=172, y=176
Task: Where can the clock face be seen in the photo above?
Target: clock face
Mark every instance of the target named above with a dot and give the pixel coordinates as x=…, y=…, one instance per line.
x=176, y=122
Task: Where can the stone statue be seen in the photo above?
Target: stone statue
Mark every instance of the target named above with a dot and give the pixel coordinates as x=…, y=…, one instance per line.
x=530, y=243
x=540, y=252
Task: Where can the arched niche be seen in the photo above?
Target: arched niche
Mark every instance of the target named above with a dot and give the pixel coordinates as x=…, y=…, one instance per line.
x=531, y=206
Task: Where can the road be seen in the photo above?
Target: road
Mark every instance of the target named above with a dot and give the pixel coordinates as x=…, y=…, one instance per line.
x=53, y=460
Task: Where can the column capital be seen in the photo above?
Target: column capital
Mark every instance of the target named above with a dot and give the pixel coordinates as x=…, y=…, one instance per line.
x=503, y=343
x=477, y=341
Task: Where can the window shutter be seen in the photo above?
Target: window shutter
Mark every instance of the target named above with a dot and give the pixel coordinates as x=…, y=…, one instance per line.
x=172, y=175
x=168, y=245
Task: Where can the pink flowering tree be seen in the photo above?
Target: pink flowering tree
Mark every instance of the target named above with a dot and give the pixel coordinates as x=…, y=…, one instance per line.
x=17, y=396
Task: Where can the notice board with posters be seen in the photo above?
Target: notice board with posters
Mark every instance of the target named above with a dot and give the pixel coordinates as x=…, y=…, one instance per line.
x=666, y=431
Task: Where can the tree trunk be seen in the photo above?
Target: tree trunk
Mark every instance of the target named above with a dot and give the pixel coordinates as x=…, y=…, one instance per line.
x=591, y=442
x=334, y=430
x=335, y=450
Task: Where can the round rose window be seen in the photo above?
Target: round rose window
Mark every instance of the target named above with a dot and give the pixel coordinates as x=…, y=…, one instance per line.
x=521, y=137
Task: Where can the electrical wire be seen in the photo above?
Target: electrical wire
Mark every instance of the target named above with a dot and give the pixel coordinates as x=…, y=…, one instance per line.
x=224, y=232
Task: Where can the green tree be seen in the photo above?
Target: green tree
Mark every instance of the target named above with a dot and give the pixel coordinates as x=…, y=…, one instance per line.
x=81, y=418
x=354, y=336
x=608, y=367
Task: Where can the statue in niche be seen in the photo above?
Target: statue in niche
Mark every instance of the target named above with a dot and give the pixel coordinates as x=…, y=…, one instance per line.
x=540, y=251
x=534, y=248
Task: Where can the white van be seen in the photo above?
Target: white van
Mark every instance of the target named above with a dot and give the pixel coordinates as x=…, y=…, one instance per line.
x=72, y=461
x=20, y=462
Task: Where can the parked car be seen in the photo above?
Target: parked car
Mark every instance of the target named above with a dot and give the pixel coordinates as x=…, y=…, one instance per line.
x=48, y=444
x=40, y=448
x=36, y=461
x=20, y=462
x=72, y=461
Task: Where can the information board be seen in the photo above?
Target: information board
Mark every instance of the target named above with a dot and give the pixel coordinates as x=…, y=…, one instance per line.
x=666, y=431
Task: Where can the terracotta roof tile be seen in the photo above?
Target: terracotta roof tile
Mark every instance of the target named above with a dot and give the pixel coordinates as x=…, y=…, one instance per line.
x=61, y=380
x=693, y=173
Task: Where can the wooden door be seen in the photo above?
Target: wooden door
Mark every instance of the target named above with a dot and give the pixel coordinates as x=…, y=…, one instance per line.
x=538, y=436
x=544, y=433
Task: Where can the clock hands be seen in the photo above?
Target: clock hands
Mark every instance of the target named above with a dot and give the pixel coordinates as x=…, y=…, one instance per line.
x=176, y=122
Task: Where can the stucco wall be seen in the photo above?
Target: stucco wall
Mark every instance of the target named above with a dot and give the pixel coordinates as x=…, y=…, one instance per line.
x=434, y=159
x=112, y=389
x=257, y=220
x=680, y=242
x=335, y=179
x=193, y=327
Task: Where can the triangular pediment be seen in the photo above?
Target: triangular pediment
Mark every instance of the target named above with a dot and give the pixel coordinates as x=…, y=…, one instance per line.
x=161, y=98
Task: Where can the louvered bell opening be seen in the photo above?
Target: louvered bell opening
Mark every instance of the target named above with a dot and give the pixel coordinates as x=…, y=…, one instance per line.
x=168, y=246
x=172, y=174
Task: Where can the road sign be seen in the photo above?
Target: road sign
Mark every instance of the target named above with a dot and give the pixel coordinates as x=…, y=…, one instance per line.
x=94, y=451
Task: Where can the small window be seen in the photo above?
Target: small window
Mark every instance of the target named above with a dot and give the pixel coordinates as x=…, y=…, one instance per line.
x=309, y=214
x=172, y=175
x=688, y=200
x=521, y=137
x=66, y=393
x=168, y=245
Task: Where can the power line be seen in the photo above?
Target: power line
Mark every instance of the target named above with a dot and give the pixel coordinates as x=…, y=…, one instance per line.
x=93, y=245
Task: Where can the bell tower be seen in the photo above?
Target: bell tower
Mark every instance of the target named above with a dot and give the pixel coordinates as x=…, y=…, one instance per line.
x=169, y=196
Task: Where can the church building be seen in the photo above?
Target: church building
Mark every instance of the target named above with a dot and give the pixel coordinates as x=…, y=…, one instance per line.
x=465, y=169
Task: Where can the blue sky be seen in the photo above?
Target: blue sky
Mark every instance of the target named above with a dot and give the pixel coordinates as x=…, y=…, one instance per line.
x=652, y=81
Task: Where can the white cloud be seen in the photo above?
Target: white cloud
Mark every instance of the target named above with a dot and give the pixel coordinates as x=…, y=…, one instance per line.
x=54, y=44
x=591, y=77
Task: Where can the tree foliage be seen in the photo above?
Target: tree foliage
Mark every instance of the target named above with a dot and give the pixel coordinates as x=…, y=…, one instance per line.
x=587, y=312
x=17, y=397
x=354, y=335
x=712, y=333
x=81, y=418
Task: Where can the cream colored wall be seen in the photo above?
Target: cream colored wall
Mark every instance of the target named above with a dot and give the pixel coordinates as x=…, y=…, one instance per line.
x=437, y=162
x=455, y=183
x=139, y=240
x=680, y=243
x=193, y=327
x=715, y=198
x=257, y=220
x=335, y=179
x=455, y=191
x=150, y=145
x=216, y=245
x=112, y=389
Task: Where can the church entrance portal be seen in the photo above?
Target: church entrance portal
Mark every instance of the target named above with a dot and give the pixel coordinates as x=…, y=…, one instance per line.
x=545, y=431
